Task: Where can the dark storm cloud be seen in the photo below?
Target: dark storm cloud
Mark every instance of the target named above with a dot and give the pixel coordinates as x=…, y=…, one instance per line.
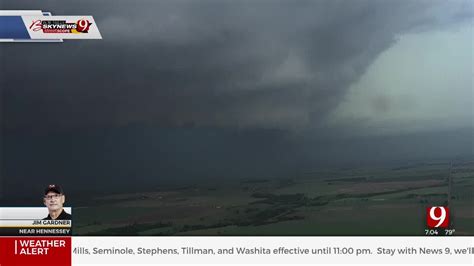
x=165, y=68
x=280, y=64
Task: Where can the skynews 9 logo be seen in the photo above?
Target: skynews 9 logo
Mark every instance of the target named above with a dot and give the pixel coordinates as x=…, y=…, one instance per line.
x=437, y=217
x=61, y=26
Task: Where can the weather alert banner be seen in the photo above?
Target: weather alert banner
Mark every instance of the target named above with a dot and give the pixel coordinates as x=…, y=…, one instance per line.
x=27, y=237
x=36, y=25
x=37, y=251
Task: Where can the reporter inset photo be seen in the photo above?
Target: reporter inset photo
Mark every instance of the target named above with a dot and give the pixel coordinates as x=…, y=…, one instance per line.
x=54, y=199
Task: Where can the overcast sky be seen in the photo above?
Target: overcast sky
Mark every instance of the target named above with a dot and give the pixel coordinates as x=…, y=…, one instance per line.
x=271, y=64
x=350, y=68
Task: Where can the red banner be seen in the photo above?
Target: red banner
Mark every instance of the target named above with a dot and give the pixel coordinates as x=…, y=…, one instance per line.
x=37, y=251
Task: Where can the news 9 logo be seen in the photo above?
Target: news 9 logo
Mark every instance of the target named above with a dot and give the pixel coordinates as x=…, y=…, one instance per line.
x=437, y=217
x=83, y=25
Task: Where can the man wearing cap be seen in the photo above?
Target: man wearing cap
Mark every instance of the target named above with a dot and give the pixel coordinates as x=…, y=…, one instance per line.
x=54, y=199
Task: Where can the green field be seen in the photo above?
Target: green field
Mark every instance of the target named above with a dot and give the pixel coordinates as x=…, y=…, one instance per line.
x=379, y=201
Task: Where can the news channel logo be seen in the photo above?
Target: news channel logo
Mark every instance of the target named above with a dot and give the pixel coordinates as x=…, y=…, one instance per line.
x=438, y=221
x=61, y=26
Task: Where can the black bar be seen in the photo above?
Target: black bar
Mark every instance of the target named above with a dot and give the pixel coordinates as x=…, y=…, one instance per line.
x=37, y=231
